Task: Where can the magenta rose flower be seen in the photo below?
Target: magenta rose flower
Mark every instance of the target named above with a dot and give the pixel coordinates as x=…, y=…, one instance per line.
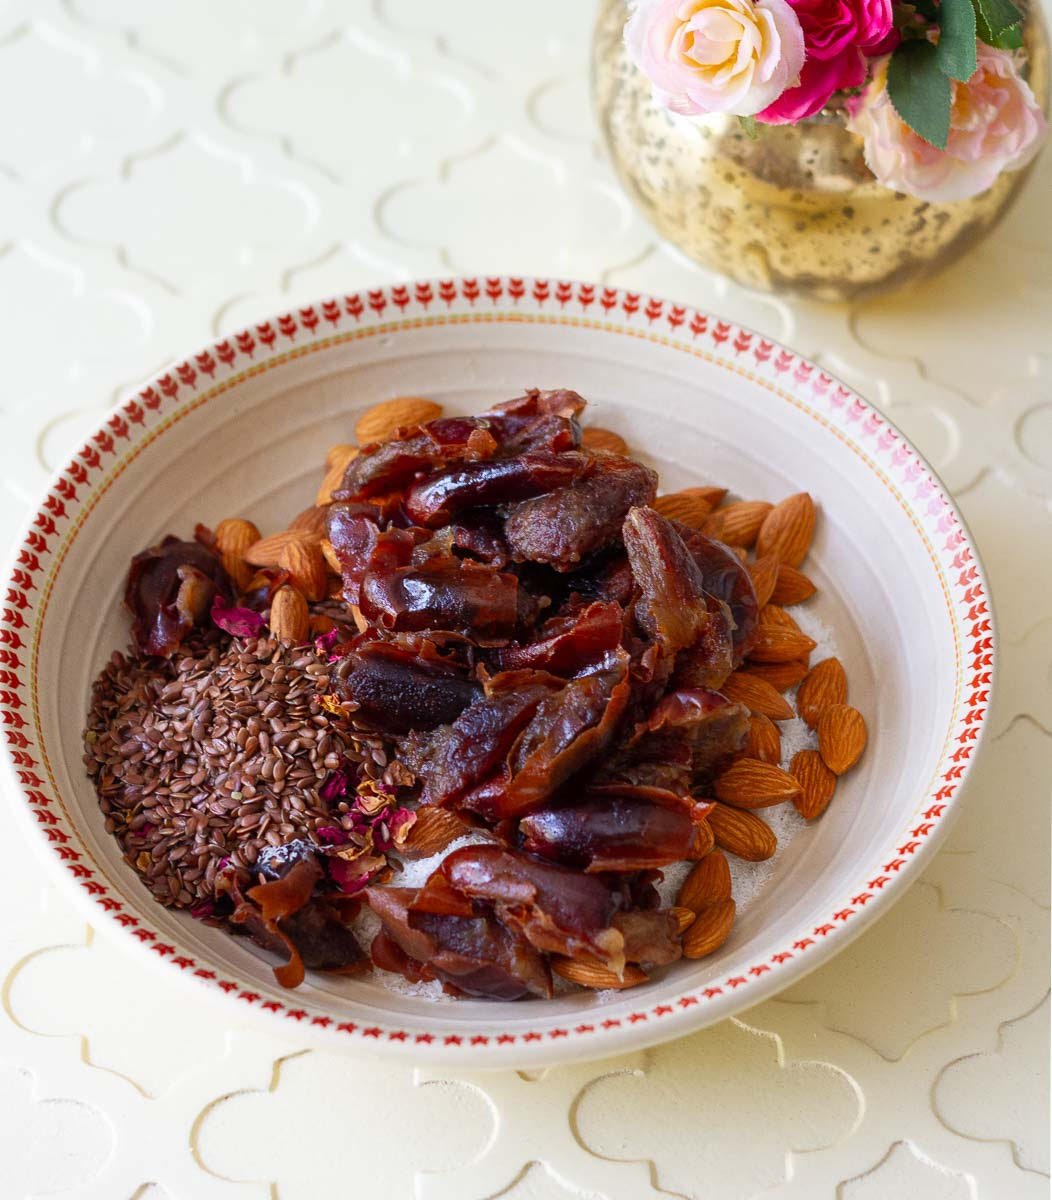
x=838, y=37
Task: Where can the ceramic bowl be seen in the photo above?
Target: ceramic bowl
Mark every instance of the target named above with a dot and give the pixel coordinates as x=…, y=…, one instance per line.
x=241, y=427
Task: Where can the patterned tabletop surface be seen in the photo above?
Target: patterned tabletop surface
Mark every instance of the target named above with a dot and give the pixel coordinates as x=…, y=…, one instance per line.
x=169, y=172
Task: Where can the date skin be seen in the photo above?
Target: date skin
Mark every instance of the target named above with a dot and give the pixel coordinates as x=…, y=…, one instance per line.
x=566, y=526
x=692, y=629
x=475, y=954
x=610, y=833
x=444, y=593
x=434, y=501
x=398, y=690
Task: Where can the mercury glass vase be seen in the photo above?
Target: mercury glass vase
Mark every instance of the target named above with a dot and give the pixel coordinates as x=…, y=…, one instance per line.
x=794, y=210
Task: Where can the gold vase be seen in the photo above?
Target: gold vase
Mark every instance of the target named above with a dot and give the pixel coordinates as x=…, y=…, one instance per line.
x=794, y=210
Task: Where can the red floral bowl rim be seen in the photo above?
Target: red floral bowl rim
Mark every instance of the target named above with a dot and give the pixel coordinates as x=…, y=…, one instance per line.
x=216, y=367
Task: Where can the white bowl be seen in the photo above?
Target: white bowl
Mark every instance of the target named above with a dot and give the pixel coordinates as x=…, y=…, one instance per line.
x=241, y=428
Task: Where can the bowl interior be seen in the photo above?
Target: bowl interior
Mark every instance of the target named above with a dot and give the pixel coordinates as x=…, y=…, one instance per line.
x=257, y=448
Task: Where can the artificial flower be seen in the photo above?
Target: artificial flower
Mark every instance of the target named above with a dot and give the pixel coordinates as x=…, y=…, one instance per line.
x=708, y=56
x=996, y=125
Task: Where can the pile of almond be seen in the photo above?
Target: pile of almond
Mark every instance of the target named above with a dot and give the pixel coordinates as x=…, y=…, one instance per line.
x=772, y=539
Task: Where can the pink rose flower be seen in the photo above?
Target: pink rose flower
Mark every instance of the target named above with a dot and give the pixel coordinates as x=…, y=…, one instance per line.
x=995, y=125
x=838, y=35
x=707, y=56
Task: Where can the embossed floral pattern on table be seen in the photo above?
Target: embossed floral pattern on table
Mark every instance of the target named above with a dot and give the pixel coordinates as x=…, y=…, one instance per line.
x=155, y=103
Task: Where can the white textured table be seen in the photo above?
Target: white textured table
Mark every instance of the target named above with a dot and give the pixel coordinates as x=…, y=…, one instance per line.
x=169, y=171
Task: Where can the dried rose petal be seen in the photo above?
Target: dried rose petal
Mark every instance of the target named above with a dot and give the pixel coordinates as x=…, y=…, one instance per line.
x=237, y=620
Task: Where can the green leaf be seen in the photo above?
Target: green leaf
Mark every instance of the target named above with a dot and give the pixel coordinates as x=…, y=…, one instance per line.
x=955, y=52
x=995, y=18
x=749, y=128
x=920, y=91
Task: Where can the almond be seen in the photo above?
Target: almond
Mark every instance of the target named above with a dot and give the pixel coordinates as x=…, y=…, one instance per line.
x=763, y=741
x=329, y=554
x=708, y=880
x=764, y=575
x=682, y=916
x=702, y=841
x=591, y=974
x=319, y=623
x=742, y=833
x=757, y=695
x=340, y=452
x=289, y=618
x=233, y=538
x=842, y=737
x=691, y=505
x=781, y=676
x=752, y=783
x=595, y=438
x=738, y=524
x=709, y=929
x=378, y=423
x=332, y=483
x=787, y=529
x=774, y=614
x=792, y=586
x=312, y=522
x=266, y=552
x=817, y=784
x=775, y=644
x=306, y=565
x=235, y=535
x=825, y=684
x=432, y=831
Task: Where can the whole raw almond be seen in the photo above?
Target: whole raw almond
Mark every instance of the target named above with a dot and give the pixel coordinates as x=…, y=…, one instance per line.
x=753, y=783
x=236, y=535
x=596, y=438
x=341, y=457
x=233, y=538
x=787, y=529
x=764, y=575
x=738, y=524
x=378, y=423
x=763, y=740
x=590, y=974
x=757, y=695
x=709, y=929
x=776, y=644
x=774, y=614
x=708, y=880
x=682, y=916
x=842, y=737
x=340, y=452
x=742, y=833
x=307, y=567
x=311, y=522
x=432, y=831
x=329, y=554
x=289, y=616
x=702, y=842
x=792, y=586
x=825, y=684
x=319, y=623
x=690, y=505
x=781, y=676
x=267, y=551
x=817, y=783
